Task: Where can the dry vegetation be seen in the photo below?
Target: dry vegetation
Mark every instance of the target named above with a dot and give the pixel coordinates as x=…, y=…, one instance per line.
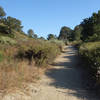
x=23, y=59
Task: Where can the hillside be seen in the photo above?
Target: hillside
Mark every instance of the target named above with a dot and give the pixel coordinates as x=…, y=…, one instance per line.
x=19, y=56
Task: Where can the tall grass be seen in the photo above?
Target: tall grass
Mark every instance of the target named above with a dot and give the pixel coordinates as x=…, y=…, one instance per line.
x=14, y=74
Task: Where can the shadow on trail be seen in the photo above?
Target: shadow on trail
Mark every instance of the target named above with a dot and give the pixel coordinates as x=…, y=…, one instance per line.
x=68, y=75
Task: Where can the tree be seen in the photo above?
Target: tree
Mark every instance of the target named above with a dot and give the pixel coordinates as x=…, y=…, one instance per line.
x=77, y=32
x=51, y=36
x=30, y=33
x=91, y=27
x=87, y=25
x=42, y=38
x=13, y=24
x=35, y=36
x=65, y=33
x=2, y=12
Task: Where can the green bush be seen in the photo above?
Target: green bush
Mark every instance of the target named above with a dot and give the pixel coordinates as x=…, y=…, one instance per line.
x=76, y=43
x=59, y=43
x=43, y=52
x=7, y=40
x=90, y=52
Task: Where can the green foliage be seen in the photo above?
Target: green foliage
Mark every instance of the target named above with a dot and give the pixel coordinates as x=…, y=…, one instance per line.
x=42, y=52
x=94, y=38
x=65, y=33
x=90, y=52
x=9, y=25
x=35, y=36
x=77, y=44
x=91, y=28
x=3, y=29
x=13, y=24
x=90, y=49
x=42, y=38
x=31, y=34
x=46, y=53
x=77, y=32
x=2, y=12
x=7, y=40
x=59, y=43
x=51, y=36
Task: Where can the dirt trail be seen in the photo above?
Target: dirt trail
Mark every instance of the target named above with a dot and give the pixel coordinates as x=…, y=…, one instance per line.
x=63, y=82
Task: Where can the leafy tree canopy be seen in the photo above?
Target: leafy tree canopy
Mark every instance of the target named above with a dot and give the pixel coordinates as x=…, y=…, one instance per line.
x=2, y=12
x=31, y=34
x=91, y=26
x=13, y=24
x=77, y=32
x=65, y=33
x=51, y=36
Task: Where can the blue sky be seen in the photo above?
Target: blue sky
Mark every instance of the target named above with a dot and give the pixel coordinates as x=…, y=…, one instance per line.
x=48, y=16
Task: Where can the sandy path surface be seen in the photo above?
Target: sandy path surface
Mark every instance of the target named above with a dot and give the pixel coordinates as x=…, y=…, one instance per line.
x=63, y=82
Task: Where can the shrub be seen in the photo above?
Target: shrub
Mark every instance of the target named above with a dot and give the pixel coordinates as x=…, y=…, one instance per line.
x=59, y=43
x=76, y=43
x=7, y=40
x=19, y=56
x=90, y=52
x=43, y=53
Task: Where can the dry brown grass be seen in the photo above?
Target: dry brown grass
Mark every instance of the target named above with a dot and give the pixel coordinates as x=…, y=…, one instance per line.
x=16, y=71
x=14, y=74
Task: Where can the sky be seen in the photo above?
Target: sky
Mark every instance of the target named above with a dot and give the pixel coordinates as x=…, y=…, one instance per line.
x=48, y=16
